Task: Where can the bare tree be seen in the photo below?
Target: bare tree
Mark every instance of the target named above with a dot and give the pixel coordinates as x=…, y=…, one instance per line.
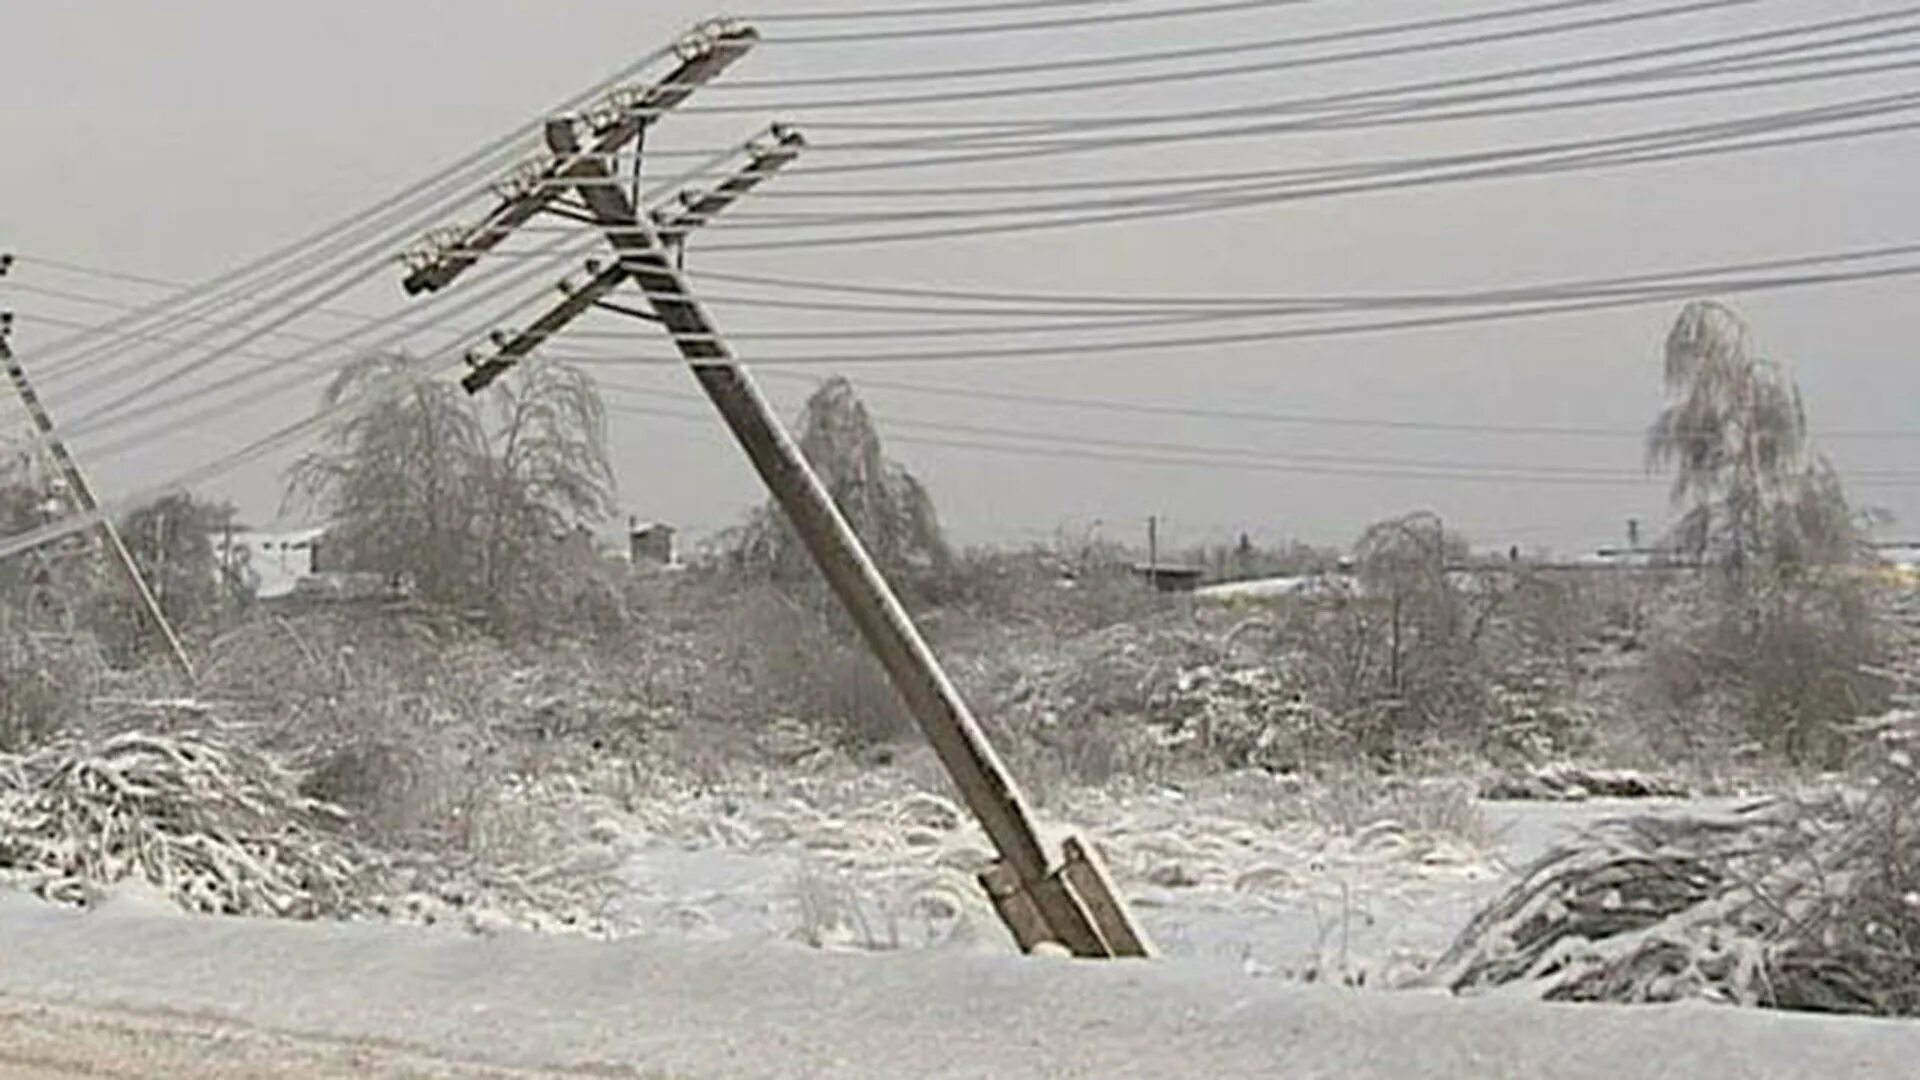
x=172, y=541
x=412, y=482
x=885, y=504
x=1735, y=433
x=1775, y=639
x=547, y=469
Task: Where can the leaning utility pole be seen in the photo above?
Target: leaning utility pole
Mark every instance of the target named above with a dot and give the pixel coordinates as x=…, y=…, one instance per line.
x=1072, y=904
x=82, y=494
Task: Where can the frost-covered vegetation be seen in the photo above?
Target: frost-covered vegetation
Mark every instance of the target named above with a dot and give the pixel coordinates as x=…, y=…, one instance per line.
x=472, y=752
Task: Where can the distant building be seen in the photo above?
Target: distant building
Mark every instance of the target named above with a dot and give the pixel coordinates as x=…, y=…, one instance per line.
x=299, y=565
x=1167, y=577
x=276, y=560
x=1900, y=560
x=650, y=543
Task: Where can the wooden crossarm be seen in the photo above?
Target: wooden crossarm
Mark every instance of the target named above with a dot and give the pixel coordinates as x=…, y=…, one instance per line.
x=695, y=211
x=550, y=322
x=705, y=55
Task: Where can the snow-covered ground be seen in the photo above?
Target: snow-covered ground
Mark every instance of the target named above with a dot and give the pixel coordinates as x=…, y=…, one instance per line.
x=135, y=989
x=898, y=970
x=1213, y=884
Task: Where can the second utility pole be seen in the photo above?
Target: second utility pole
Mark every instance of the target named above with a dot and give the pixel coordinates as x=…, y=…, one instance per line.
x=81, y=493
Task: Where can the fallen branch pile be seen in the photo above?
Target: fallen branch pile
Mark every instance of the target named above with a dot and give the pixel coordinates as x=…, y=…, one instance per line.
x=219, y=827
x=1560, y=782
x=1792, y=905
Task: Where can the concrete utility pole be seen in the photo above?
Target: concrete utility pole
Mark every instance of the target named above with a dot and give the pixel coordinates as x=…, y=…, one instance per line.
x=1072, y=904
x=82, y=494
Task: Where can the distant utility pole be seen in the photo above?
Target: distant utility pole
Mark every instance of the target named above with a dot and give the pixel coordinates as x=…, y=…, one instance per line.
x=82, y=494
x=160, y=557
x=1073, y=903
x=1153, y=547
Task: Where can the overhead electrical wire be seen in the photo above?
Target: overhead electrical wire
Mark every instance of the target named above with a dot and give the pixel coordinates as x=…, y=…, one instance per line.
x=645, y=62
x=1636, y=288
x=1398, y=114
x=1645, y=294
x=485, y=155
x=1670, y=145
x=1158, y=56
x=426, y=196
x=1089, y=349
x=763, y=221
x=1029, y=126
x=1211, y=72
x=100, y=419
x=314, y=289
x=1080, y=303
x=1872, y=24
x=1658, y=146
x=1183, y=11
x=921, y=12
x=1001, y=146
x=1387, y=102
x=1001, y=431
x=1041, y=446
x=999, y=304
x=1263, y=416
x=433, y=365
x=557, y=249
x=72, y=297
x=112, y=274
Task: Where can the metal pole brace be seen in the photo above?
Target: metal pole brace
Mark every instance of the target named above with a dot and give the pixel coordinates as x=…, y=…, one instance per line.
x=1082, y=886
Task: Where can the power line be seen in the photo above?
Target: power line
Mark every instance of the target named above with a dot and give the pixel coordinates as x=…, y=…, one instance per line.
x=920, y=12
x=1000, y=305
x=1562, y=290
x=555, y=250
x=1393, y=115
x=1871, y=24
x=1211, y=72
x=996, y=146
x=789, y=220
x=137, y=336
x=1390, y=104
x=1081, y=303
x=1579, y=156
x=1293, y=457
x=173, y=284
x=1643, y=295
x=1156, y=56
x=1185, y=11
x=1660, y=146
x=434, y=365
x=1087, y=349
x=1261, y=416
x=485, y=156
x=1039, y=446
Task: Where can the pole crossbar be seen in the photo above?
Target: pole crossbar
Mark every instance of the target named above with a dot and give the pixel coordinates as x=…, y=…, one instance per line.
x=705, y=53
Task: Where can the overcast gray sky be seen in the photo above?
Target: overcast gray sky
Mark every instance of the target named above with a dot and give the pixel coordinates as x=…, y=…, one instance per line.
x=178, y=140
